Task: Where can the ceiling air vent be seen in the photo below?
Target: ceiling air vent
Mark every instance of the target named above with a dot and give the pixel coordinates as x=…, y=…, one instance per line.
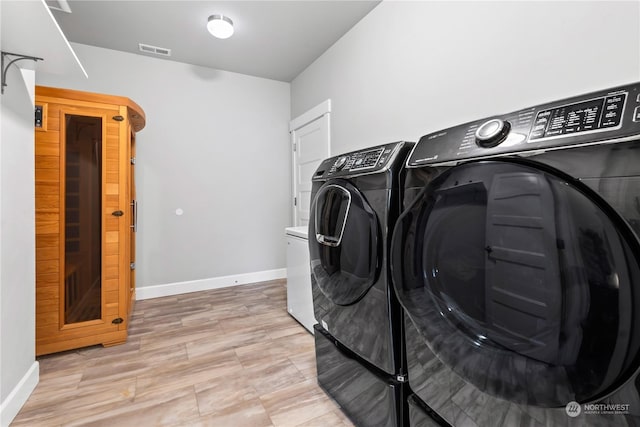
x=61, y=5
x=155, y=50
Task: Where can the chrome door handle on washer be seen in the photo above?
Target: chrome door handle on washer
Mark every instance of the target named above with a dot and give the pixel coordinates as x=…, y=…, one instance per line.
x=327, y=240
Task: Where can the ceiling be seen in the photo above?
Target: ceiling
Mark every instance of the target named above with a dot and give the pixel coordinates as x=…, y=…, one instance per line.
x=273, y=39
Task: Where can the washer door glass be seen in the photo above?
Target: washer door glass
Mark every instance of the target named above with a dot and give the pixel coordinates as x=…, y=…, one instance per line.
x=521, y=282
x=343, y=242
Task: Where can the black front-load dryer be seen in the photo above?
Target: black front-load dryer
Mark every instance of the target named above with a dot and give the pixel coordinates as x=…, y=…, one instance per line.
x=355, y=202
x=516, y=259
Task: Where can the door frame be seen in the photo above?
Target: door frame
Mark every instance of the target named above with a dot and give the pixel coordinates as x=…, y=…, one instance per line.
x=103, y=114
x=295, y=124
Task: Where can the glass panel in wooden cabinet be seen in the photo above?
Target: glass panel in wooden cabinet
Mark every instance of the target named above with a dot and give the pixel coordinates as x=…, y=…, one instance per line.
x=83, y=219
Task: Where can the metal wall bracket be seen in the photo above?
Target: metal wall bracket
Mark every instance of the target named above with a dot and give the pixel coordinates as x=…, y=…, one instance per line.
x=5, y=68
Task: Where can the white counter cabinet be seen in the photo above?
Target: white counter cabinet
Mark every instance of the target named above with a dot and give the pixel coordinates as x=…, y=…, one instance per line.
x=299, y=298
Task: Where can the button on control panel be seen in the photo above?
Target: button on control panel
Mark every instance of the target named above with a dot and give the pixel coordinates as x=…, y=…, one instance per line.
x=341, y=162
x=492, y=132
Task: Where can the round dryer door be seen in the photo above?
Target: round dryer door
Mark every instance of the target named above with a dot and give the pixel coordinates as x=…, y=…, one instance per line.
x=521, y=281
x=343, y=242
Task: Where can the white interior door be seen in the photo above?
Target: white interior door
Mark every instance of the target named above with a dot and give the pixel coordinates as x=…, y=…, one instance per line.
x=310, y=144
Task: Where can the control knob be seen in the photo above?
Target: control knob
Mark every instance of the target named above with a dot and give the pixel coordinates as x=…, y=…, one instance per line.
x=340, y=162
x=492, y=132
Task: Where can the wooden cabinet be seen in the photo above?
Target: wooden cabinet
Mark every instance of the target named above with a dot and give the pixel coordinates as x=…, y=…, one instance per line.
x=85, y=217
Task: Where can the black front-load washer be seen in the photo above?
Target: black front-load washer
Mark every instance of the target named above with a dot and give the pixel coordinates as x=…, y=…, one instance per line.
x=355, y=202
x=516, y=260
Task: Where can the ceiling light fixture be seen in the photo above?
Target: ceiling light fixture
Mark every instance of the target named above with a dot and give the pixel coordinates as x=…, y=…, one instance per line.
x=220, y=26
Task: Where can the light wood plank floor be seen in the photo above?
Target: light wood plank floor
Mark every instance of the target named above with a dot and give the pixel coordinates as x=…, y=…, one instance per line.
x=229, y=357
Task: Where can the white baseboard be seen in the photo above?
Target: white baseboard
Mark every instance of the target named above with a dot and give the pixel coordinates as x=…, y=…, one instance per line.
x=156, y=291
x=19, y=395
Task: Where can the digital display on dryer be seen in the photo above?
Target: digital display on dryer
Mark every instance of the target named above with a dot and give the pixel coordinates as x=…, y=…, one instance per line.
x=594, y=114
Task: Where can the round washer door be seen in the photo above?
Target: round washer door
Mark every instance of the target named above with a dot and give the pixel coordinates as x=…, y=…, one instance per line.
x=522, y=281
x=343, y=242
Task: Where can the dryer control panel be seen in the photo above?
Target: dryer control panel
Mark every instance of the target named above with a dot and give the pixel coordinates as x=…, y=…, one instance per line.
x=596, y=118
x=371, y=160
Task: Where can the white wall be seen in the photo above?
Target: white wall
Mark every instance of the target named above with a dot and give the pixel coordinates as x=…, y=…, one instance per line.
x=410, y=68
x=216, y=146
x=18, y=368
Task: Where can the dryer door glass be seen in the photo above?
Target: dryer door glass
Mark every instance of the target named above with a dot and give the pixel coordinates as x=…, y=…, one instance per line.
x=343, y=242
x=521, y=283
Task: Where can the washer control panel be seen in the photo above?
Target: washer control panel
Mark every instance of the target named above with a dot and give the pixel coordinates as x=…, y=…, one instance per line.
x=597, y=117
x=362, y=160
x=370, y=160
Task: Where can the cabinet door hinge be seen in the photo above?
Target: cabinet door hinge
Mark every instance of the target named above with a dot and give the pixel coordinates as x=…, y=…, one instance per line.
x=132, y=265
x=294, y=147
x=133, y=160
x=295, y=201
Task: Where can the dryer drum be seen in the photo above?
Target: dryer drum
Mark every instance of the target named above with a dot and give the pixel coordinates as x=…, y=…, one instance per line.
x=521, y=282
